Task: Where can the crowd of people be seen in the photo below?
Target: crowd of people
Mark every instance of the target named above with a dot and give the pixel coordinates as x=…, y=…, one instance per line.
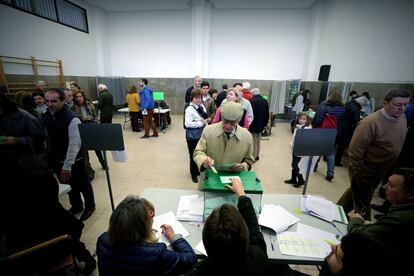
x=221, y=128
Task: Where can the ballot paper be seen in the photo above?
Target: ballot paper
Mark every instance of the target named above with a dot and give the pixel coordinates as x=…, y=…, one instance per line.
x=276, y=218
x=307, y=241
x=169, y=219
x=200, y=248
x=226, y=179
x=190, y=208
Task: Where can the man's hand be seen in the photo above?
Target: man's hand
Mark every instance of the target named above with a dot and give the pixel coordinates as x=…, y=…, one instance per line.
x=65, y=176
x=167, y=231
x=10, y=140
x=208, y=163
x=357, y=215
x=238, y=167
x=237, y=187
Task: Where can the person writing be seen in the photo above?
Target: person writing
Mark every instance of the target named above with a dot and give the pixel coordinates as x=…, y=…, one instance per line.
x=233, y=241
x=130, y=246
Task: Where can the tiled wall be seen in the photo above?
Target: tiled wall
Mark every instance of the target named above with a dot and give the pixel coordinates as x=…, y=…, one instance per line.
x=174, y=88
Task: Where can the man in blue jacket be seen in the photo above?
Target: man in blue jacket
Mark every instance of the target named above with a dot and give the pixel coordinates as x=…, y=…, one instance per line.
x=147, y=107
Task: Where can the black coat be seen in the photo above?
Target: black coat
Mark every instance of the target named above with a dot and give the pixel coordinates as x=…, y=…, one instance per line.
x=261, y=114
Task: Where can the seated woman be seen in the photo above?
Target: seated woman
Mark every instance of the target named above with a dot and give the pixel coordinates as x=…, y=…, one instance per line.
x=131, y=248
x=233, y=96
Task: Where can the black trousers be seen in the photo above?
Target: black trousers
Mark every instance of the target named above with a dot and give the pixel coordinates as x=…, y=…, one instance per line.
x=191, y=144
x=79, y=184
x=134, y=121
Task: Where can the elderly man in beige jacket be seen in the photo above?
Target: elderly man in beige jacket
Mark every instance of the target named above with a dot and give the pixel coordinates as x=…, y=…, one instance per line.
x=225, y=143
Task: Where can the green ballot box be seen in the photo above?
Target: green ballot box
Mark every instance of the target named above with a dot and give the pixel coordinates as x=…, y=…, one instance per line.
x=216, y=194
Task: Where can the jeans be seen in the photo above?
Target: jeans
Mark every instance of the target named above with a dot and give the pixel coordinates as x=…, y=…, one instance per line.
x=295, y=163
x=330, y=163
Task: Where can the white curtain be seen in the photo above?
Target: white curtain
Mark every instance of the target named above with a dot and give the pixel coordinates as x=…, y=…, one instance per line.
x=277, y=97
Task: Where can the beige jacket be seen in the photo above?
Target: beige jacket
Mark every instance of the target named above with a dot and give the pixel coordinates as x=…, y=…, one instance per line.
x=214, y=144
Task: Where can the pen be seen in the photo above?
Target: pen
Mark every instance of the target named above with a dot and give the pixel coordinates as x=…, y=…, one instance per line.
x=271, y=243
x=337, y=229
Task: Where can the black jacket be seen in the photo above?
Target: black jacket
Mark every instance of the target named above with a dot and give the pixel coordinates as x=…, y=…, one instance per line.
x=261, y=114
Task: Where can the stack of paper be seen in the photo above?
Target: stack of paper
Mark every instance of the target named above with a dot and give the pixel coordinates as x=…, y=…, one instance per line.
x=169, y=219
x=276, y=217
x=323, y=208
x=190, y=208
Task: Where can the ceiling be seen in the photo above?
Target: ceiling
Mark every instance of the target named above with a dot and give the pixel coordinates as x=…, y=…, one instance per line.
x=145, y=5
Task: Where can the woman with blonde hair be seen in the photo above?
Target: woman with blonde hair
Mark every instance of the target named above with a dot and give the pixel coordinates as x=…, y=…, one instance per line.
x=133, y=101
x=233, y=96
x=130, y=246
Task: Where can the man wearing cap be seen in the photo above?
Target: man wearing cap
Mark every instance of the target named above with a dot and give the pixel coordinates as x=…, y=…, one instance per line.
x=226, y=142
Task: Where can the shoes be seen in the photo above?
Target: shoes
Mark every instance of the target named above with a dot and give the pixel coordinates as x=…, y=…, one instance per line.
x=381, y=208
x=257, y=158
x=194, y=179
x=154, y=135
x=90, y=266
x=329, y=177
x=290, y=181
x=87, y=214
x=297, y=185
x=378, y=216
x=145, y=137
x=75, y=211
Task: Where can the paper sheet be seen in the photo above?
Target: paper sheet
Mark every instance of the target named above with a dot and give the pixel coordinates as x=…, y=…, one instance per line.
x=200, y=248
x=298, y=244
x=226, y=179
x=276, y=217
x=169, y=218
x=119, y=156
x=190, y=208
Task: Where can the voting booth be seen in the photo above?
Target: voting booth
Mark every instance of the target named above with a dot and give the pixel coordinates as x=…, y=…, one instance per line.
x=216, y=194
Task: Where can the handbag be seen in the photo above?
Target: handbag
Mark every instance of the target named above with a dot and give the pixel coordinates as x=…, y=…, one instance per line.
x=193, y=133
x=329, y=121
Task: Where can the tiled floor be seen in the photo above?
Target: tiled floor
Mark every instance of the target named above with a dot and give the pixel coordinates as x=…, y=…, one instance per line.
x=163, y=162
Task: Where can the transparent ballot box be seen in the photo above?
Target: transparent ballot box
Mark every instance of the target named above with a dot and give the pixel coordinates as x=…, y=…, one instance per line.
x=216, y=194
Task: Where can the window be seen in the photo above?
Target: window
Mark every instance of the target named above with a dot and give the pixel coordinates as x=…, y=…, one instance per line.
x=60, y=11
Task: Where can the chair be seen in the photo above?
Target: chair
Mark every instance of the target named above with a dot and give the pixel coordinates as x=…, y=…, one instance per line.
x=41, y=259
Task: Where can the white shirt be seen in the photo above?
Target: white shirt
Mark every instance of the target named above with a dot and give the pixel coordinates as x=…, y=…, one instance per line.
x=192, y=118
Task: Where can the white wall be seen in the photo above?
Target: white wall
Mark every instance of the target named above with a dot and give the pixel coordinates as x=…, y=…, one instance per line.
x=258, y=44
x=25, y=35
x=368, y=41
x=150, y=44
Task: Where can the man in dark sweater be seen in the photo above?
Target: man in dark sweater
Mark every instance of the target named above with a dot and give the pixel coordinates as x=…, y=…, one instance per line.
x=66, y=153
x=233, y=241
x=395, y=229
x=105, y=104
x=197, y=82
x=261, y=117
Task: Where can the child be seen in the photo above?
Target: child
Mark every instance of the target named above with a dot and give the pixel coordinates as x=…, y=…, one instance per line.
x=302, y=121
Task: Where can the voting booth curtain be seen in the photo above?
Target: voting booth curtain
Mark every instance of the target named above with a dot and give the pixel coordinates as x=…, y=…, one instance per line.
x=116, y=86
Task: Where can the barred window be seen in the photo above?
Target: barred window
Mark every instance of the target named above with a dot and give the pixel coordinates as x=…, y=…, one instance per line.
x=60, y=11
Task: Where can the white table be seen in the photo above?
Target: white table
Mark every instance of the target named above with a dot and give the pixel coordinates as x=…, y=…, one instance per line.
x=166, y=200
x=125, y=111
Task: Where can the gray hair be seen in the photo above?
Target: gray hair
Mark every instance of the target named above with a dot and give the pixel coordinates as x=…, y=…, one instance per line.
x=246, y=85
x=255, y=91
x=102, y=87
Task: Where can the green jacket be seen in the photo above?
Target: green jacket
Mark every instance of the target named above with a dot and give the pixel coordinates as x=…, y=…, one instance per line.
x=214, y=144
x=395, y=229
x=105, y=104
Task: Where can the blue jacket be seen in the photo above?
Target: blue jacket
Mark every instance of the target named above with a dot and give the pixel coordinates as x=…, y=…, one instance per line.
x=144, y=259
x=333, y=109
x=147, y=102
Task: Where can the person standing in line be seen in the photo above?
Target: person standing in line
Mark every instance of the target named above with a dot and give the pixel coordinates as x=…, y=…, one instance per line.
x=105, y=104
x=133, y=100
x=261, y=117
x=222, y=95
x=147, y=107
x=196, y=84
x=68, y=97
x=375, y=146
x=66, y=152
x=247, y=94
x=195, y=120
